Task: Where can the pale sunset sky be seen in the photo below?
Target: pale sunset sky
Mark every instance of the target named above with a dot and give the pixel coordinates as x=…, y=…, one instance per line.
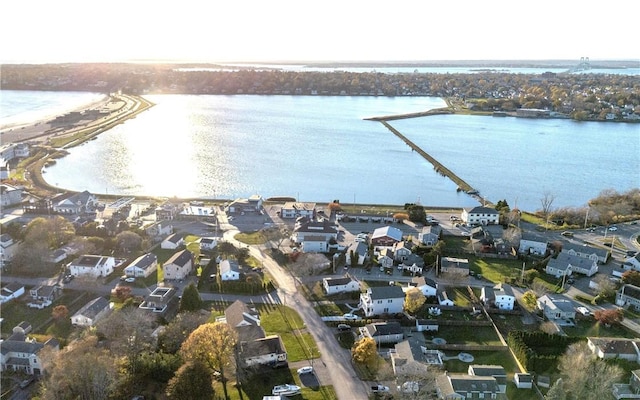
x=329, y=30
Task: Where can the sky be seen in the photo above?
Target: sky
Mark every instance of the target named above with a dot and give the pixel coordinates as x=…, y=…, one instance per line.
x=35, y=31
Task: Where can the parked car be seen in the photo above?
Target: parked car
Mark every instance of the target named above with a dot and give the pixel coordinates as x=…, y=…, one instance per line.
x=27, y=382
x=130, y=279
x=305, y=370
x=344, y=328
x=379, y=388
x=567, y=233
x=350, y=317
x=613, y=228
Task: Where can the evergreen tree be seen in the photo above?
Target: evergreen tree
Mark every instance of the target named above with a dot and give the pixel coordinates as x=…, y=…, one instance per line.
x=191, y=300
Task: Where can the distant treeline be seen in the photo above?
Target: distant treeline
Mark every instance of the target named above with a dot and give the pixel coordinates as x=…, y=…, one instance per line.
x=586, y=96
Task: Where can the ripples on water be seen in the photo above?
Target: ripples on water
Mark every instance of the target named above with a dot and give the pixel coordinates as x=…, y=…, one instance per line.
x=320, y=149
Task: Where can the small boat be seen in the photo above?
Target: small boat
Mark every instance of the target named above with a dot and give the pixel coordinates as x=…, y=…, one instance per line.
x=285, y=390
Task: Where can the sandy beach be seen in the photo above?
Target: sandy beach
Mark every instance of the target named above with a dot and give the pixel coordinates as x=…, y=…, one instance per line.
x=39, y=131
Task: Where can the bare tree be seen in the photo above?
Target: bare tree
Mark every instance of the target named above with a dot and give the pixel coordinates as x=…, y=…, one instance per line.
x=585, y=376
x=546, y=202
x=128, y=332
x=82, y=370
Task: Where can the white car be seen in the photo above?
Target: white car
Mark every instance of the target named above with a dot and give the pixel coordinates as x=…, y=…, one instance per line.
x=613, y=228
x=350, y=317
x=130, y=280
x=305, y=370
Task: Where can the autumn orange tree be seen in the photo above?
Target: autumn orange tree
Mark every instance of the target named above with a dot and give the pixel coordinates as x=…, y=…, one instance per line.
x=364, y=352
x=609, y=317
x=213, y=345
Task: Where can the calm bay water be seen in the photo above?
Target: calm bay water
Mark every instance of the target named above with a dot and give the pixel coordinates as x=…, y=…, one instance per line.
x=320, y=149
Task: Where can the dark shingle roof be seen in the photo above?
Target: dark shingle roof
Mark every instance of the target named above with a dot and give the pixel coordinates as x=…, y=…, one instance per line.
x=386, y=292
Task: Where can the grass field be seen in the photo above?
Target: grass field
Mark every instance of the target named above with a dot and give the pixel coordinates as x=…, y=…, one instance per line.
x=471, y=335
x=261, y=384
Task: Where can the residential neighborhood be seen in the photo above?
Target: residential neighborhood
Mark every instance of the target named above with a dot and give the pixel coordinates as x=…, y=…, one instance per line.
x=442, y=300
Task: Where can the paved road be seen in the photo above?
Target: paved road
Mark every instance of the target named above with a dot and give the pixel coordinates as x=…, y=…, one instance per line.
x=335, y=361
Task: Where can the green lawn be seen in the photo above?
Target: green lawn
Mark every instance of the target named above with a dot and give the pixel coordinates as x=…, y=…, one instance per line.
x=15, y=312
x=471, y=335
x=483, y=357
x=495, y=270
x=284, y=321
x=261, y=384
x=590, y=327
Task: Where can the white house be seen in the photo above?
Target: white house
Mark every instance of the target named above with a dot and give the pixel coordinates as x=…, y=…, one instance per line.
x=628, y=296
x=380, y=300
x=295, y=209
x=383, y=332
x=92, y=266
x=583, y=251
x=11, y=291
x=172, y=242
x=142, y=266
x=91, y=312
x=179, y=266
x=306, y=228
x=443, y=298
x=557, y=307
x=77, y=203
x=500, y=296
x=162, y=228
x=19, y=353
x=386, y=258
x=480, y=216
x=565, y=264
x=402, y=250
x=613, y=347
x=208, y=243
x=530, y=244
x=9, y=195
x=340, y=285
x=413, y=264
x=269, y=350
x=359, y=250
x=8, y=248
x=632, y=263
x=229, y=270
x=241, y=205
x=427, y=286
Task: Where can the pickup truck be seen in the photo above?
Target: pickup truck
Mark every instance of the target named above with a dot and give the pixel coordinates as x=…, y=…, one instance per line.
x=379, y=388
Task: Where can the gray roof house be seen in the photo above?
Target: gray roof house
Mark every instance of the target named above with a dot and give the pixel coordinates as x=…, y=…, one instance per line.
x=583, y=251
x=613, y=347
x=628, y=296
x=565, y=264
x=557, y=307
x=496, y=371
x=429, y=235
x=463, y=386
x=142, y=266
x=20, y=353
x=383, y=332
x=91, y=312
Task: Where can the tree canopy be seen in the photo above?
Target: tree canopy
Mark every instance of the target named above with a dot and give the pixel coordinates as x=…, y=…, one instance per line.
x=213, y=345
x=191, y=300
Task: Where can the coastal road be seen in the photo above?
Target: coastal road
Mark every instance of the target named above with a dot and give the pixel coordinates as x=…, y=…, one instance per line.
x=335, y=361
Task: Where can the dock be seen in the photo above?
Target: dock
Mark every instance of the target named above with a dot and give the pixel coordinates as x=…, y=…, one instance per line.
x=439, y=167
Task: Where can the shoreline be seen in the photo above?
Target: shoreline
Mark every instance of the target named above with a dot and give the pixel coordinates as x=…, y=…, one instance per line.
x=21, y=132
